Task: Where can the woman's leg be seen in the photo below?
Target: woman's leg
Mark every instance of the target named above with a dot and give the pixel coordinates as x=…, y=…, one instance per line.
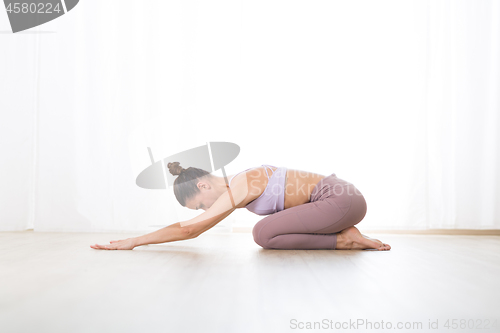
x=313, y=225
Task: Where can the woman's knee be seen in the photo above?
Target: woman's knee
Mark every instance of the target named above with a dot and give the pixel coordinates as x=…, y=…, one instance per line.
x=360, y=207
x=258, y=237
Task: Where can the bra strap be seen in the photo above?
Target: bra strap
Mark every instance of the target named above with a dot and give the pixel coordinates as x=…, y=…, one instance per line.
x=265, y=168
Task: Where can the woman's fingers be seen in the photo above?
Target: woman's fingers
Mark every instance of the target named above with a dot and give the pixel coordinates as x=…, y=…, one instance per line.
x=103, y=247
x=126, y=244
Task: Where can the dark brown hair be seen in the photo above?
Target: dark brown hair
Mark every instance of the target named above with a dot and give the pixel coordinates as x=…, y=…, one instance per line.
x=185, y=184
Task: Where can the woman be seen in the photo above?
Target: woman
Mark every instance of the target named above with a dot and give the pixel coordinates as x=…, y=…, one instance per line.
x=305, y=210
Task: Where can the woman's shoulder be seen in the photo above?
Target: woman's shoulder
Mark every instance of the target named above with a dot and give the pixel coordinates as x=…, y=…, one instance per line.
x=255, y=172
x=252, y=170
x=251, y=181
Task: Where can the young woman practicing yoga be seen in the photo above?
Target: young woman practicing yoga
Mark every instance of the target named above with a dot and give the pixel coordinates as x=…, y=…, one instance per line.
x=305, y=210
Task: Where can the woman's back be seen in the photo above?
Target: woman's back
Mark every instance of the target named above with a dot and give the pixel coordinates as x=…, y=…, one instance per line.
x=297, y=187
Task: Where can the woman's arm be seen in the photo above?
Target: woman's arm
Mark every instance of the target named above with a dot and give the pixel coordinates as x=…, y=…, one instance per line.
x=192, y=228
x=171, y=233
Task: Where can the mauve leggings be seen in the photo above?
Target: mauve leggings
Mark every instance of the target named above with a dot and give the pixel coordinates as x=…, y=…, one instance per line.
x=335, y=204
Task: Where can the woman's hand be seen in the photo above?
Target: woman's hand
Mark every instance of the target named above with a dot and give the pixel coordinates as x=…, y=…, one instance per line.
x=126, y=244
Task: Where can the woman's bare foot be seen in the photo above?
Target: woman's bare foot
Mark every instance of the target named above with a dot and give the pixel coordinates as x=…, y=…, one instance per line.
x=376, y=240
x=351, y=239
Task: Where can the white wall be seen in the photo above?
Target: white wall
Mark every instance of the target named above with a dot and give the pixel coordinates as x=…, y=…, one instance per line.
x=18, y=110
x=398, y=97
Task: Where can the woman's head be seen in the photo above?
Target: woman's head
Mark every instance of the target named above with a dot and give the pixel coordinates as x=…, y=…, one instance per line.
x=194, y=188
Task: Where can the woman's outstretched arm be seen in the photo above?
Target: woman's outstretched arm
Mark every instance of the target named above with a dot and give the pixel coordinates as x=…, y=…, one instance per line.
x=189, y=229
x=171, y=233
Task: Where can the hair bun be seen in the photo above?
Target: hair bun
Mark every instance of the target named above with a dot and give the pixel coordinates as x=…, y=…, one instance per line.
x=175, y=168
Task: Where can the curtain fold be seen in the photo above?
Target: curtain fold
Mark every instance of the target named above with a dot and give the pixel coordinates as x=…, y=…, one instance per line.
x=462, y=105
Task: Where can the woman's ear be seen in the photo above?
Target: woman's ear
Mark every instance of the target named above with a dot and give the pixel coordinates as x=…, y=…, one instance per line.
x=202, y=185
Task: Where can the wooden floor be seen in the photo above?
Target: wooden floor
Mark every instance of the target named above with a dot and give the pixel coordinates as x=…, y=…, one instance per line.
x=54, y=282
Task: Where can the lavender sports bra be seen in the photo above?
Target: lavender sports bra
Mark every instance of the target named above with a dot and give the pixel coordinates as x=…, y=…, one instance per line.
x=272, y=200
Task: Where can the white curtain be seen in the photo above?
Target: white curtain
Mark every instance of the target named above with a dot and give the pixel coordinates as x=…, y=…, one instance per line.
x=400, y=98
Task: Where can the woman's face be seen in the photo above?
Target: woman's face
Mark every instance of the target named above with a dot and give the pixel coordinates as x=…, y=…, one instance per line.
x=204, y=199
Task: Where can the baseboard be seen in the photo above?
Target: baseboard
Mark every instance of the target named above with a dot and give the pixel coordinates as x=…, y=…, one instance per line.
x=475, y=232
